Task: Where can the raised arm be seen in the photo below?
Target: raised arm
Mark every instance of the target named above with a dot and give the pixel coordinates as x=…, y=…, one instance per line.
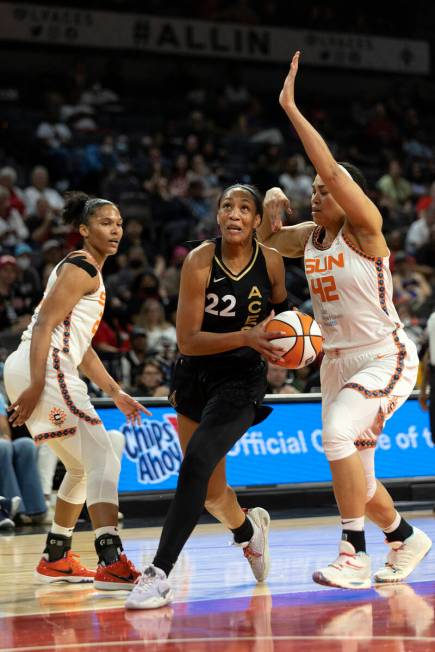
x=363, y=216
x=190, y=313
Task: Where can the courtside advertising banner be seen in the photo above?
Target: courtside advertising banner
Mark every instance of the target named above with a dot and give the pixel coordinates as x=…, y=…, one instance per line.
x=286, y=449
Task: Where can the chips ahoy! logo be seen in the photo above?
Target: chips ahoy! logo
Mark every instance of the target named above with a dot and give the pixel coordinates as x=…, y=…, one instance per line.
x=154, y=448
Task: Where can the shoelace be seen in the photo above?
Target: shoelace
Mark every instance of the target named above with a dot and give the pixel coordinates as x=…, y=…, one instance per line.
x=144, y=582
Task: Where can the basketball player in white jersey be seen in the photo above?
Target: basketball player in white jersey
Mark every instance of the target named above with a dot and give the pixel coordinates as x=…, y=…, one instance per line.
x=46, y=392
x=370, y=365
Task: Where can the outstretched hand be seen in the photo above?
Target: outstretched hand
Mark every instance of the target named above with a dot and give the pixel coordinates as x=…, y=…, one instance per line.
x=130, y=407
x=287, y=95
x=261, y=340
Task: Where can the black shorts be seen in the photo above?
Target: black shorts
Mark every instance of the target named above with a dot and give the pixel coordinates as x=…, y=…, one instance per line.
x=193, y=385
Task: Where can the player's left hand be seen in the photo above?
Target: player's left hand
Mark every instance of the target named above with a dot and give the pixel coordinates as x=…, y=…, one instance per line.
x=287, y=95
x=275, y=202
x=130, y=407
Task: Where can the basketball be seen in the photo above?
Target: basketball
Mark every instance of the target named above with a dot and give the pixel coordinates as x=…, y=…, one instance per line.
x=303, y=339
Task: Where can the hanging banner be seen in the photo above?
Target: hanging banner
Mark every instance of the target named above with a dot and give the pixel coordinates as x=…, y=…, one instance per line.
x=110, y=30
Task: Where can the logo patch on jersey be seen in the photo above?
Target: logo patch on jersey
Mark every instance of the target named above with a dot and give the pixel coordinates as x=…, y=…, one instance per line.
x=216, y=280
x=56, y=416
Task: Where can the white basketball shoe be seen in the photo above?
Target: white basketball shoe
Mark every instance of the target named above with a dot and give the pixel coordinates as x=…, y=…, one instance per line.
x=151, y=590
x=256, y=550
x=404, y=556
x=351, y=570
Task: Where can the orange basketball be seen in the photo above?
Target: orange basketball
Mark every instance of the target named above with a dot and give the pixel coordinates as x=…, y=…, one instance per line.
x=303, y=339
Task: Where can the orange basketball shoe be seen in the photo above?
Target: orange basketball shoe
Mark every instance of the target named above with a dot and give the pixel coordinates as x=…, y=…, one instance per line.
x=67, y=569
x=121, y=575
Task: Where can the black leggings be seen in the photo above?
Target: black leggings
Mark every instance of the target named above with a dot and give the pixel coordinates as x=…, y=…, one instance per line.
x=222, y=425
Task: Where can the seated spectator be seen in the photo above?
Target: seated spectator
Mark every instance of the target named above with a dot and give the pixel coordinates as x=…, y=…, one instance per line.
x=171, y=216
x=199, y=170
x=53, y=133
x=27, y=277
x=425, y=255
x=150, y=381
x=112, y=338
x=380, y=128
x=12, y=226
x=307, y=379
x=8, y=179
x=179, y=181
x=44, y=223
x=133, y=235
x=166, y=355
x=145, y=286
x=14, y=314
x=52, y=253
x=198, y=203
x=418, y=233
x=296, y=184
x=152, y=318
x=134, y=360
x=170, y=280
x=19, y=473
x=394, y=188
x=40, y=188
x=133, y=264
x=278, y=380
x=410, y=286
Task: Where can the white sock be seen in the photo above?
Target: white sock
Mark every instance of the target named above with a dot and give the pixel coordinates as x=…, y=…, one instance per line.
x=108, y=529
x=353, y=524
x=59, y=529
x=394, y=525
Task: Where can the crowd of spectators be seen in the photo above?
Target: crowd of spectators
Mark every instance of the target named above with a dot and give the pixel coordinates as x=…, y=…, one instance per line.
x=164, y=162
x=166, y=174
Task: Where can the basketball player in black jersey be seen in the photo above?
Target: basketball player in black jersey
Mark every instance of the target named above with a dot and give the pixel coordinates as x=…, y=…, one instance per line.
x=228, y=288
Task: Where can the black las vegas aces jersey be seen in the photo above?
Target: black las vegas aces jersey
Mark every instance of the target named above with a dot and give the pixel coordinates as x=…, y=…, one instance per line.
x=236, y=302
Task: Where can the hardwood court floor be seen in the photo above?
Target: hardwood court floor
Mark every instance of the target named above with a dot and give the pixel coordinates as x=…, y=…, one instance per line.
x=218, y=606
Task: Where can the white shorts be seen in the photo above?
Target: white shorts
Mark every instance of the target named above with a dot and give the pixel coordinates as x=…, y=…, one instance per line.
x=64, y=402
x=361, y=388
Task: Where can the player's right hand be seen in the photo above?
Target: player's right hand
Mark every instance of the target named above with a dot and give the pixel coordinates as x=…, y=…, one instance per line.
x=22, y=408
x=260, y=340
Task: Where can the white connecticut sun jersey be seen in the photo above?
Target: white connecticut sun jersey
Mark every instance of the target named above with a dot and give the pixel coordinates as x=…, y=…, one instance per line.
x=351, y=293
x=73, y=336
